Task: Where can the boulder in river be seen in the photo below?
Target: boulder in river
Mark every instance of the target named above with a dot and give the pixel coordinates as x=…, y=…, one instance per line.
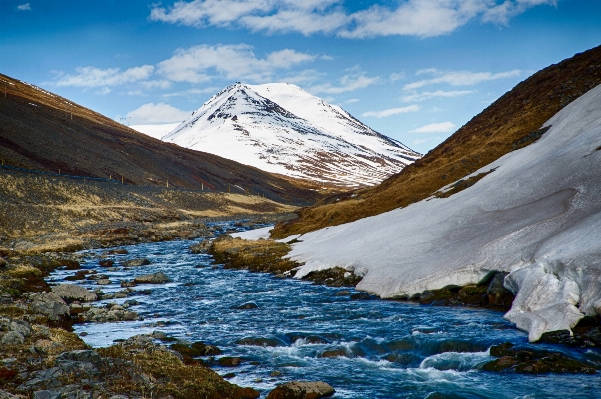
x=154, y=278
x=136, y=262
x=259, y=341
x=247, y=305
x=529, y=361
x=302, y=390
x=73, y=292
x=229, y=361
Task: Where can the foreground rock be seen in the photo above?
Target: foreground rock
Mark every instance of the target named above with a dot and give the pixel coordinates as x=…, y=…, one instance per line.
x=302, y=390
x=529, y=361
x=73, y=292
x=154, y=278
x=50, y=305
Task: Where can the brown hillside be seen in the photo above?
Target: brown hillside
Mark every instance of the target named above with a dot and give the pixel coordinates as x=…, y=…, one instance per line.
x=43, y=131
x=509, y=123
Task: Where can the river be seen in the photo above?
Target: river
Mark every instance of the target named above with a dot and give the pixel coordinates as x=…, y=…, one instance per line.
x=390, y=349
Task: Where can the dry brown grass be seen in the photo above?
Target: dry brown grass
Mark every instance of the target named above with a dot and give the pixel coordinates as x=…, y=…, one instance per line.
x=52, y=214
x=497, y=130
x=254, y=255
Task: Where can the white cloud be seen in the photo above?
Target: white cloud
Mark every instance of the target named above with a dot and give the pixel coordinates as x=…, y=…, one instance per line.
x=156, y=84
x=396, y=76
x=24, y=7
x=354, y=80
x=157, y=113
x=104, y=91
x=422, y=141
x=391, y=111
x=96, y=77
x=352, y=100
x=237, y=61
x=442, y=127
x=422, y=18
x=460, y=78
x=416, y=97
x=191, y=92
x=502, y=13
x=307, y=76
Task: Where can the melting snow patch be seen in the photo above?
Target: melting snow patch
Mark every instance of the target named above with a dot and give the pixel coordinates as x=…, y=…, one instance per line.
x=537, y=216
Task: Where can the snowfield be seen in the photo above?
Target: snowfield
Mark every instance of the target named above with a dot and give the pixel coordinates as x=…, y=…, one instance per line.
x=537, y=216
x=282, y=129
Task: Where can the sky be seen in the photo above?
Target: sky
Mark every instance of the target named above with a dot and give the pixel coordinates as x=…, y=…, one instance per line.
x=414, y=70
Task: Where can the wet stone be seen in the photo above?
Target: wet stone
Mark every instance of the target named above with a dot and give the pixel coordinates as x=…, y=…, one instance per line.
x=229, y=361
x=247, y=306
x=530, y=361
x=302, y=390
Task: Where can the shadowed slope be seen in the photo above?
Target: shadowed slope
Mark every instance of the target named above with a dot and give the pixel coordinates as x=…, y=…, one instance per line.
x=511, y=122
x=38, y=132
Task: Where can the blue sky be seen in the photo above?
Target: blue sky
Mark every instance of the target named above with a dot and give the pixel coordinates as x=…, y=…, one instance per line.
x=415, y=70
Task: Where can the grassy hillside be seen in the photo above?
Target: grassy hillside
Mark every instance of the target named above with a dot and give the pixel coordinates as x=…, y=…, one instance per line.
x=511, y=122
x=41, y=212
x=43, y=131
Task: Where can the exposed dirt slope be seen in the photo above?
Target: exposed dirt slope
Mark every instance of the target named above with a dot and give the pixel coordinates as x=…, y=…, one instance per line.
x=509, y=123
x=43, y=131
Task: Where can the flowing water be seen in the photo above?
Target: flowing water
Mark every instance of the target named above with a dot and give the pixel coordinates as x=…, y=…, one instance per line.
x=390, y=349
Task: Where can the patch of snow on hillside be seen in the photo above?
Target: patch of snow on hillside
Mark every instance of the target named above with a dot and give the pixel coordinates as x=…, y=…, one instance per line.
x=537, y=216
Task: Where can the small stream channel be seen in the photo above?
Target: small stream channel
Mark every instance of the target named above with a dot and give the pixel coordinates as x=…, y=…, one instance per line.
x=392, y=349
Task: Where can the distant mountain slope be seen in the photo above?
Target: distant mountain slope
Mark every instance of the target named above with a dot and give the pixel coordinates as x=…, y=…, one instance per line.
x=280, y=128
x=511, y=122
x=37, y=131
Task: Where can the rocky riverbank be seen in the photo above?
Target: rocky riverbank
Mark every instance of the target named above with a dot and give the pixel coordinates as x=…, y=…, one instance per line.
x=40, y=356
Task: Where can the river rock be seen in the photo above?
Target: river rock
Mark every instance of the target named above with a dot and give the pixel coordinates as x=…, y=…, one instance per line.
x=302, y=390
x=106, y=263
x=13, y=338
x=83, y=355
x=529, y=361
x=200, y=247
x=258, y=341
x=154, y=278
x=247, y=305
x=136, y=262
x=6, y=395
x=73, y=292
x=334, y=353
x=103, y=281
x=229, y=361
x=50, y=305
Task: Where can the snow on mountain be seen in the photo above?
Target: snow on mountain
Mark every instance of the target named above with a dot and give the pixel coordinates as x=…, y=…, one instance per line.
x=282, y=129
x=156, y=131
x=537, y=215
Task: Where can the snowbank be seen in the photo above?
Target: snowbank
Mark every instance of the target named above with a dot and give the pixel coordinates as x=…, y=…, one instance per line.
x=538, y=216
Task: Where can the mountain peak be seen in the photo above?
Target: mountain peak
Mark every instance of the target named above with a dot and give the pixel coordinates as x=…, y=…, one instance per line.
x=280, y=128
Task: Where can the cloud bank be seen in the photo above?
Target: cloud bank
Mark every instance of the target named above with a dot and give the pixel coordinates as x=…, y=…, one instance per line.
x=421, y=18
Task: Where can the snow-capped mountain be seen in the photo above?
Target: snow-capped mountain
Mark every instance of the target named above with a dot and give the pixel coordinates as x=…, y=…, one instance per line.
x=282, y=129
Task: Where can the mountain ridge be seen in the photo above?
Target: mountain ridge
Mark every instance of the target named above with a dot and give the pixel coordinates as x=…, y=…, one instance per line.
x=280, y=128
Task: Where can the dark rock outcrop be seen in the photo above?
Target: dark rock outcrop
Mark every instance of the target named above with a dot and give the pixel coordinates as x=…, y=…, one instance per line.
x=302, y=390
